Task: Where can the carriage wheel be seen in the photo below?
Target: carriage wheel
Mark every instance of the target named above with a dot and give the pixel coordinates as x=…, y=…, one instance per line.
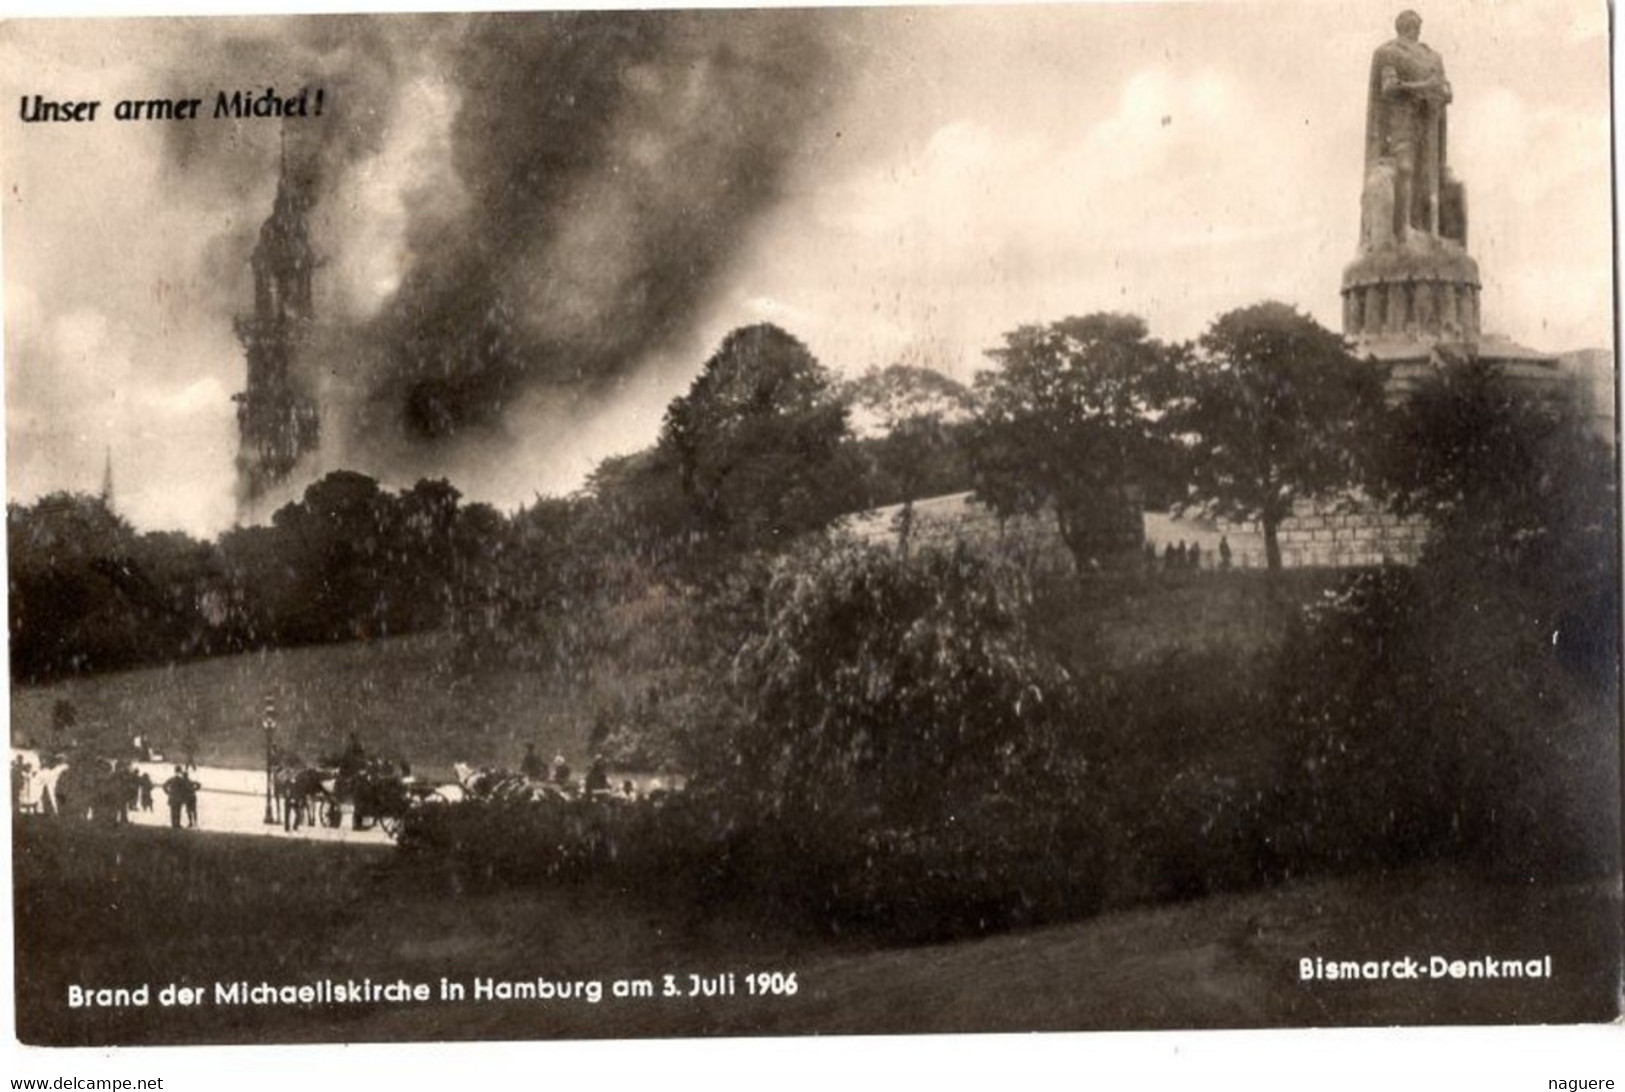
x=332, y=812
x=390, y=825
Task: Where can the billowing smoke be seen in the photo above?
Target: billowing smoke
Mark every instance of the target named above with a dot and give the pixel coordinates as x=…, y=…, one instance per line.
x=611, y=164
x=515, y=211
x=354, y=59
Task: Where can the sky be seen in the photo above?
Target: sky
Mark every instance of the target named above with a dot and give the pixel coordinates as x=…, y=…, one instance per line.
x=539, y=231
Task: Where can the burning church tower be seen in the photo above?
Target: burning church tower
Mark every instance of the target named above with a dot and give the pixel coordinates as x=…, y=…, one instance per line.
x=277, y=419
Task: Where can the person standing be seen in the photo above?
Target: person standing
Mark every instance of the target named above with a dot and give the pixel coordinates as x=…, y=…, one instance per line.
x=597, y=776
x=22, y=777
x=175, y=789
x=192, y=788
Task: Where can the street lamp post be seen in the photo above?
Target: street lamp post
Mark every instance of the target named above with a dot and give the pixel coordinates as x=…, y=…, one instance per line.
x=269, y=722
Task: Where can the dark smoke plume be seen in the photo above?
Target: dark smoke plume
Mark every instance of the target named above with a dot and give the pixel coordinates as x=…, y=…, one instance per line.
x=612, y=165
x=353, y=58
x=566, y=215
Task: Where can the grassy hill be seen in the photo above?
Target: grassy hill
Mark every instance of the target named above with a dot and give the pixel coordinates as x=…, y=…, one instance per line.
x=433, y=699
x=423, y=698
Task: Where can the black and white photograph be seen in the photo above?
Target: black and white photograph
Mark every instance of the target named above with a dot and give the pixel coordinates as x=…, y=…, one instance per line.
x=786, y=522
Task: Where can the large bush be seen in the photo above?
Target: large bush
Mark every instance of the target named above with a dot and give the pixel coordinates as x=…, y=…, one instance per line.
x=1469, y=708
x=893, y=748
x=1431, y=714
x=888, y=690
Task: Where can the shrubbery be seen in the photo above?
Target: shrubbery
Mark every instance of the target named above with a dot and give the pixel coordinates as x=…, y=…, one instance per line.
x=897, y=738
x=1426, y=714
x=507, y=843
x=886, y=690
x=894, y=744
x=887, y=749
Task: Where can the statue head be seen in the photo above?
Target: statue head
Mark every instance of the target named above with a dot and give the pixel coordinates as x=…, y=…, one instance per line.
x=1409, y=25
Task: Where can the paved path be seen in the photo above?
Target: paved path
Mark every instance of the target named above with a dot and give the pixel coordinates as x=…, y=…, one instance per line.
x=233, y=802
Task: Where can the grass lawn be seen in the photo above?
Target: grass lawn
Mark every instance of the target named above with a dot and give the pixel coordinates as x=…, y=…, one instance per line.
x=421, y=698
x=429, y=699
x=121, y=908
x=105, y=909
x=1129, y=618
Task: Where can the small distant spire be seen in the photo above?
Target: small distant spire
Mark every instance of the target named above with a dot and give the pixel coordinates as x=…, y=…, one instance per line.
x=107, y=480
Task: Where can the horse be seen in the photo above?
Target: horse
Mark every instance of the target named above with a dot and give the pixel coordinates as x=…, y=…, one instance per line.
x=300, y=791
x=487, y=783
x=90, y=788
x=45, y=785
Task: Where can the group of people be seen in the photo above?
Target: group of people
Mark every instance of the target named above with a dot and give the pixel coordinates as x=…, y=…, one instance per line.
x=24, y=792
x=104, y=790
x=182, y=793
x=558, y=772
x=1177, y=556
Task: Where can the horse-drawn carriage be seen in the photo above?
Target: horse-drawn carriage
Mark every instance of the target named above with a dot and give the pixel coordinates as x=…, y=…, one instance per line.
x=375, y=793
x=380, y=794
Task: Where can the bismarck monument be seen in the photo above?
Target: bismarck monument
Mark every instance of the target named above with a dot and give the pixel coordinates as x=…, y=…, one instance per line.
x=1411, y=295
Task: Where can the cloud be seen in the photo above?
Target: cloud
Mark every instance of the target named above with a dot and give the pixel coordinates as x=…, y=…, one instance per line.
x=1546, y=279
x=1160, y=206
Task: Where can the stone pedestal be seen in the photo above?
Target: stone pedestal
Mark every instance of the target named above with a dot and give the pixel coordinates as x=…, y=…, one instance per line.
x=1424, y=290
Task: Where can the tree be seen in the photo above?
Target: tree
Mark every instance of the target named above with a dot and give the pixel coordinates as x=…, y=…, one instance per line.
x=636, y=515
x=1273, y=410
x=756, y=441
x=66, y=610
x=1070, y=421
x=1520, y=499
x=420, y=548
x=883, y=690
x=903, y=392
x=1504, y=475
x=482, y=548
x=918, y=416
x=337, y=539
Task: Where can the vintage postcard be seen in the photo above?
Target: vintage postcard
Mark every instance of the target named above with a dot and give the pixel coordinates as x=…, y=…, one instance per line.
x=789, y=522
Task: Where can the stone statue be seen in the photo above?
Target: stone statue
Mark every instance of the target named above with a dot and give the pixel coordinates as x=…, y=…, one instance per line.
x=1412, y=281
x=1409, y=187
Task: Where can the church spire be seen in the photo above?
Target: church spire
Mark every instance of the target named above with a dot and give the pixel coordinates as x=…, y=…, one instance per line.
x=277, y=419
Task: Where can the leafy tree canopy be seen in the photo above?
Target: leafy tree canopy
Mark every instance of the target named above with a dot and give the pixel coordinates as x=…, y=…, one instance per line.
x=888, y=690
x=756, y=440
x=913, y=422
x=1507, y=476
x=1070, y=420
x=888, y=398
x=1274, y=409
